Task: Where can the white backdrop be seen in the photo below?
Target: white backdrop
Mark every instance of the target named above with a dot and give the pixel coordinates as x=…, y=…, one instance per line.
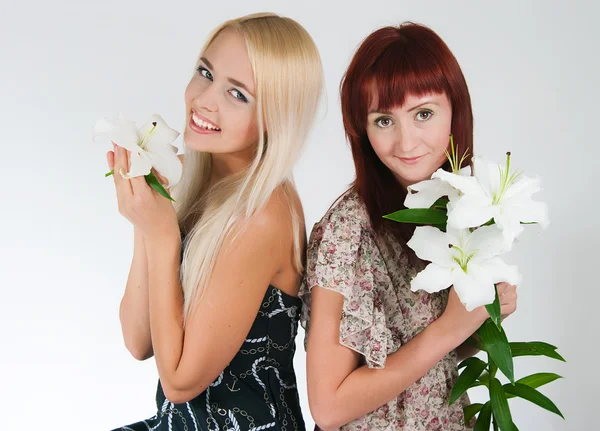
x=532, y=69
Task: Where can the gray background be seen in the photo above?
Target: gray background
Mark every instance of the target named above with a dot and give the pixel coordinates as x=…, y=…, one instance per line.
x=532, y=69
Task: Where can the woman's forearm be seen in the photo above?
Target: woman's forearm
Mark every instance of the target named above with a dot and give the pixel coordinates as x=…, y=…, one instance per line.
x=166, y=308
x=134, y=311
x=366, y=389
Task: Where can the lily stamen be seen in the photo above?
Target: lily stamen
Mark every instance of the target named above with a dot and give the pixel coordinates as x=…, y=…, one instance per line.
x=455, y=164
x=142, y=143
x=506, y=179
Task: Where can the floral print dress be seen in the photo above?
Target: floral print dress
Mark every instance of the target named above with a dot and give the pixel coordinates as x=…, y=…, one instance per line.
x=380, y=313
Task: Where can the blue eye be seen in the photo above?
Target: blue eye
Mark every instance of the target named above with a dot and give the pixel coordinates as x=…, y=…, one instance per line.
x=238, y=95
x=205, y=73
x=384, y=122
x=424, y=115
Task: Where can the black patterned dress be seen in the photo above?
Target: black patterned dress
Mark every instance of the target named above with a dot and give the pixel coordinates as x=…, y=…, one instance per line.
x=256, y=391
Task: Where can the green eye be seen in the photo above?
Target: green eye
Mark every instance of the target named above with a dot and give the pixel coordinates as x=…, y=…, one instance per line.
x=205, y=73
x=238, y=95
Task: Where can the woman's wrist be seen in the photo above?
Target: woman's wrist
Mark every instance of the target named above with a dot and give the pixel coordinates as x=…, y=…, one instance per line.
x=450, y=333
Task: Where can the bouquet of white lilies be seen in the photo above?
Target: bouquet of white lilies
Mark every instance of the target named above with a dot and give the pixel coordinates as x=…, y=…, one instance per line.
x=469, y=219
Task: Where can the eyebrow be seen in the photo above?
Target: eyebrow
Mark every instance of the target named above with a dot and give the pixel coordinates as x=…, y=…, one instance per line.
x=231, y=80
x=427, y=102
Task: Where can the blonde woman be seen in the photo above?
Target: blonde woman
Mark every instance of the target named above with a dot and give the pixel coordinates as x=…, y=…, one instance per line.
x=222, y=325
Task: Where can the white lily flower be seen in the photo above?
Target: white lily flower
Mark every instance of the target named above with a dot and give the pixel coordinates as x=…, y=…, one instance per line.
x=495, y=192
x=150, y=146
x=424, y=193
x=467, y=260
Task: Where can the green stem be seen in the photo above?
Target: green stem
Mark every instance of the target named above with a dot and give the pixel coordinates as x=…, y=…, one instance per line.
x=493, y=368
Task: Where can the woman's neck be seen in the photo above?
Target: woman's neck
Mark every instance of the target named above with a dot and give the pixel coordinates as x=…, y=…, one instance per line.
x=225, y=165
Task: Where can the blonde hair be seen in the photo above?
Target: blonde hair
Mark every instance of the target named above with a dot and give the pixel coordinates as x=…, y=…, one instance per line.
x=288, y=80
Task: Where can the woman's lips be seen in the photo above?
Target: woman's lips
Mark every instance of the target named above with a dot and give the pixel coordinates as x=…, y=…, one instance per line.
x=201, y=130
x=410, y=160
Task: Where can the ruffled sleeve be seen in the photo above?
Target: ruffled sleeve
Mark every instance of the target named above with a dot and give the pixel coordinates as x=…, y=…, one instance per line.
x=342, y=256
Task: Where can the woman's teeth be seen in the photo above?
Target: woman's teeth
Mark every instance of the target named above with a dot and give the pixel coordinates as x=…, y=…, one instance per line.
x=200, y=123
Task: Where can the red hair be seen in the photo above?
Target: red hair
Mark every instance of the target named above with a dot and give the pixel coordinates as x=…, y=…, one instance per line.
x=407, y=60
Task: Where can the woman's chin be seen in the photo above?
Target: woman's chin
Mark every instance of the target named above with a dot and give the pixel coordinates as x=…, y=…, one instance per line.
x=193, y=141
x=409, y=178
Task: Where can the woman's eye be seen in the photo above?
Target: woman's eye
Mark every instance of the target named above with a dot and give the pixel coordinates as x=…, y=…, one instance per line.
x=424, y=115
x=238, y=95
x=383, y=122
x=205, y=72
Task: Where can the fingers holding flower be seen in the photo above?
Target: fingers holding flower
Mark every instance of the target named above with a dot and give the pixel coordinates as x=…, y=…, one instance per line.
x=137, y=202
x=144, y=161
x=507, y=294
x=150, y=149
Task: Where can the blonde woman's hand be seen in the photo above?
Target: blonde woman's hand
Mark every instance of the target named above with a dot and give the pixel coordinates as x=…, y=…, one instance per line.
x=153, y=214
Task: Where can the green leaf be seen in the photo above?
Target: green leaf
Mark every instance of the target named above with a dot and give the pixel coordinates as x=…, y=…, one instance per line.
x=441, y=227
x=489, y=222
x=484, y=378
x=535, y=348
x=473, y=342
x=471, y=410
x=474, y=368
x=441, y=203
x=494, y=310
x=530, y=394
x=514, y=427
x=419, y=216
x=108, y=174
x=537, y=380
x=496, y=345
x=484, y=419
x=157, y=186
x=466, y=362
x=500, y=406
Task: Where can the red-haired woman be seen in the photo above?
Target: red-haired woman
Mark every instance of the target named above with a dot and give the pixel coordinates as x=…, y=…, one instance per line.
x=381, y=357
